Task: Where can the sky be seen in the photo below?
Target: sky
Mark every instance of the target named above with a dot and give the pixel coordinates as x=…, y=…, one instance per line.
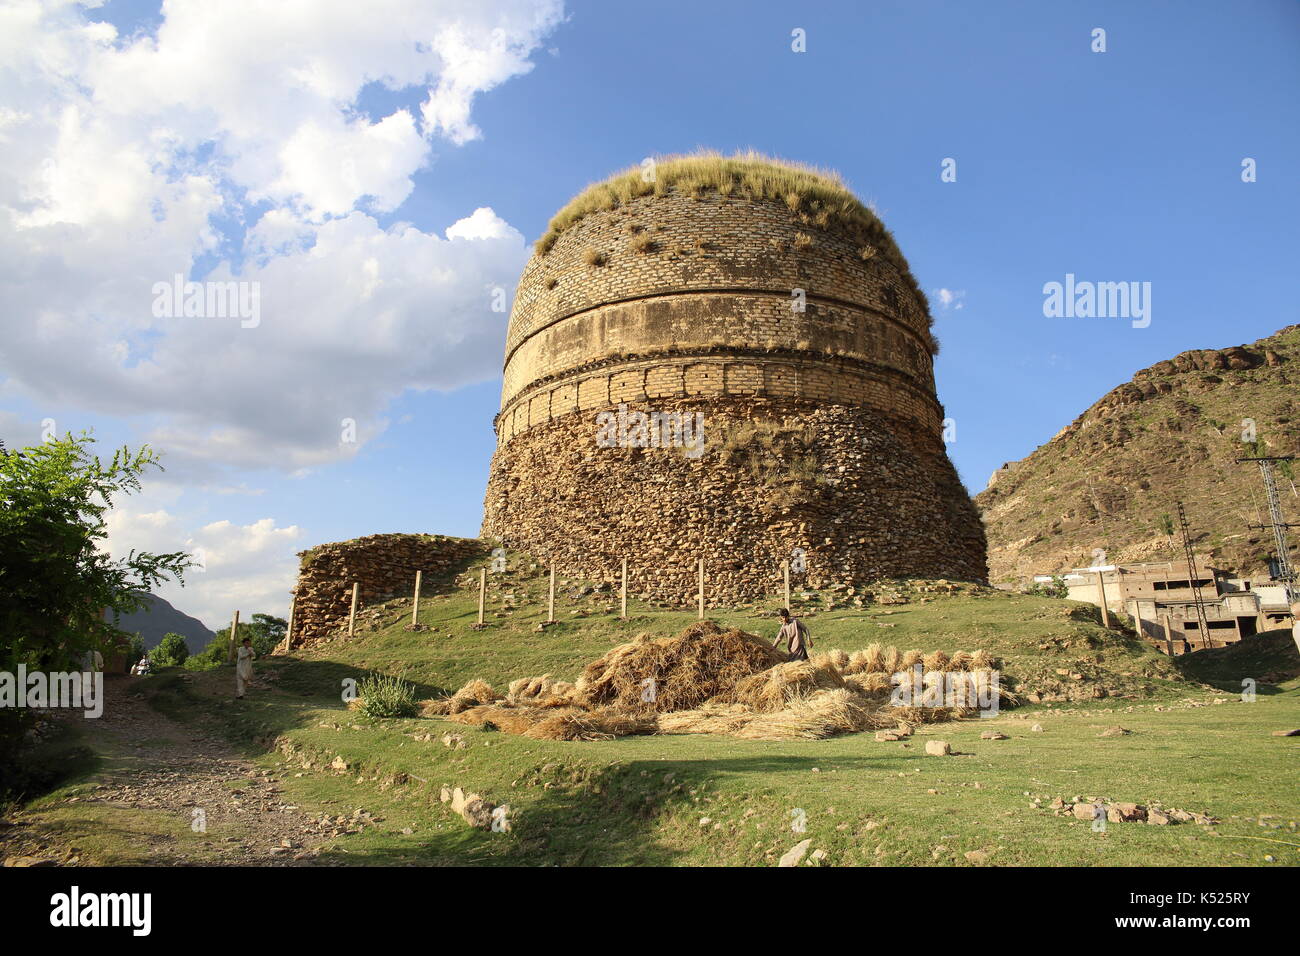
x=379, y=172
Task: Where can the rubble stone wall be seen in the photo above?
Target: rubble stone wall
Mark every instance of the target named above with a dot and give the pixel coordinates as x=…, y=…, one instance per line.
x=383, y=564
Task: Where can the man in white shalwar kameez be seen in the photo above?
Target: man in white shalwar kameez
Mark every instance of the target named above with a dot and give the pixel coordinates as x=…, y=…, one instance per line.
x=243, y=666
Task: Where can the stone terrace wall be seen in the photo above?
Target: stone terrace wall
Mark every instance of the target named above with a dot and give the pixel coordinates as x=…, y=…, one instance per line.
x=383, y=564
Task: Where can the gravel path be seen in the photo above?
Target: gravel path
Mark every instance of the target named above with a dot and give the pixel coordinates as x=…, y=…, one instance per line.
x=187, y=775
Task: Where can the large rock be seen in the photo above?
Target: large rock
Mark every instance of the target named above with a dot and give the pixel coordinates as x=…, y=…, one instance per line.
x=795, y=855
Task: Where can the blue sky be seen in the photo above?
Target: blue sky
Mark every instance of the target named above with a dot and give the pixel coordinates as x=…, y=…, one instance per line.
x=1115, y=166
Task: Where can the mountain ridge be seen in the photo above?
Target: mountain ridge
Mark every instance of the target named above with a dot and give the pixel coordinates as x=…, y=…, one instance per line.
x=1109, y=478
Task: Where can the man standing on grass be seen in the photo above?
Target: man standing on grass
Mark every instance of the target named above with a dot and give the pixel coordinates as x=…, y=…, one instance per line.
x=794, y=634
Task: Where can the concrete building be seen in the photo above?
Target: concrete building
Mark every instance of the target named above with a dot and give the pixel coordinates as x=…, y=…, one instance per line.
x=1159, y=599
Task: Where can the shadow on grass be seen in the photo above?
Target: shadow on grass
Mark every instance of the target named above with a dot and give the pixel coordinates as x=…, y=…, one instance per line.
x=613, y=817
x=1268, y=658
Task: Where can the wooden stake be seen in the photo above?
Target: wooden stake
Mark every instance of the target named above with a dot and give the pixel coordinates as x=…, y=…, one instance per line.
x=701, y=589
x=622, y=592
x=234, y=627
x=352, y=615
x=550, y=611
x=288, y=631
x=482, y=592
x=415, y=603
x=1105, y=612
x=785, y=569
x=1169, y=635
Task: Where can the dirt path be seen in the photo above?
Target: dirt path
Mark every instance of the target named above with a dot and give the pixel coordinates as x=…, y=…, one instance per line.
x=171, y=793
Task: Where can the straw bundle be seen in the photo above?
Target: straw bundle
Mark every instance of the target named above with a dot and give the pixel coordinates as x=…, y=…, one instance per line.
x=891, y=661
x=909, y=660
x=776, y=688
x=711, y=718
x=871, y=684
x=823, y=714
x=836, y=658
x=960, y=661
x=935, y=661
x=473, y=693
x=512, y=720
x=603, y=723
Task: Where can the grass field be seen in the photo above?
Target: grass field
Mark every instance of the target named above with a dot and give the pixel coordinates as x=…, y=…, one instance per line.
x=695, y=800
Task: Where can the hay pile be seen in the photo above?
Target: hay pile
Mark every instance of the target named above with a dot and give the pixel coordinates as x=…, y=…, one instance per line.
x=700, y=663
x=708, y=680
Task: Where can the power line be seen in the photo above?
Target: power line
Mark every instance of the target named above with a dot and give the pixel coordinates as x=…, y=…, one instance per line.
x=1284, y=572
x=1193, y=577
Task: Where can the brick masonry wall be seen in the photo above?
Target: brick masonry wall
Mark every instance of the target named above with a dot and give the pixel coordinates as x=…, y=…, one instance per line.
x=383, y=564
x=688, y=307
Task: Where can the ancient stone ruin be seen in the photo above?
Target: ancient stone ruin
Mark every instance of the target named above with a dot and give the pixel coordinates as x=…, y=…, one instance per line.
x=384, y=566
x=730, y=360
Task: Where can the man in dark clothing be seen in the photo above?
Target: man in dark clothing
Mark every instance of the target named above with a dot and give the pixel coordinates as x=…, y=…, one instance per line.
x=795, y=635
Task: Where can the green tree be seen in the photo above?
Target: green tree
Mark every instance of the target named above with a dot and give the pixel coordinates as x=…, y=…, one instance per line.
x=55, y=581
x=264, y=630
x=171, y=651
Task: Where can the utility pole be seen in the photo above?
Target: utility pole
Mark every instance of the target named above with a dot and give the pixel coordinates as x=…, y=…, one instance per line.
x=1192, y=577
x=1285, y=573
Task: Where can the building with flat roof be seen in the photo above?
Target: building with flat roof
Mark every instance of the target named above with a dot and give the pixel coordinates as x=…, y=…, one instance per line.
x=1160, y=600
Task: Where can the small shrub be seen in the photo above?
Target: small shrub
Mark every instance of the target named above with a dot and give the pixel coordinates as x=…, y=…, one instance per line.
x=642, y=243
x=384, y=696
x=802, y=240
x=593, y=257
x=552, y=282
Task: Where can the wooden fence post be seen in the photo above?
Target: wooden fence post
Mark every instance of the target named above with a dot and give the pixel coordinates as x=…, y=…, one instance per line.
x=701, y=589
x=352, y=615
x=415, y=603
x=482, y=592
x=234, y=627
x=288, y=631
x=1105, y=612
x=622, y=593
x=550, y=612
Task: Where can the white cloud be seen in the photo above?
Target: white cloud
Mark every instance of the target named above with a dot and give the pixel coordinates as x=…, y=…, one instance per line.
x=949, y=299
x=123, y=161
x=249, y=568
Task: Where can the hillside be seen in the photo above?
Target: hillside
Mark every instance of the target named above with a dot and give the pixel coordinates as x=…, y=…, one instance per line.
x=1172, y=433
x=160, y=618
x=343, y=788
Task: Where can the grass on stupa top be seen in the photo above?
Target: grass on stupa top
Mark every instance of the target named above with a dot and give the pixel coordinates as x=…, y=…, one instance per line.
x=815, y=196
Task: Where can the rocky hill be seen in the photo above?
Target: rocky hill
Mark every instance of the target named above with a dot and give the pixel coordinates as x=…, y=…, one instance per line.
x=1111, y=478
x=160, y=618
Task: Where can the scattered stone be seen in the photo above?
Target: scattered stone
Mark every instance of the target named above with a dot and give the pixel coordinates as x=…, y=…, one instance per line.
x=1037, y=728
x=1115, y=731
x=937, y=748
x=993, y=735
x=794, y=855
